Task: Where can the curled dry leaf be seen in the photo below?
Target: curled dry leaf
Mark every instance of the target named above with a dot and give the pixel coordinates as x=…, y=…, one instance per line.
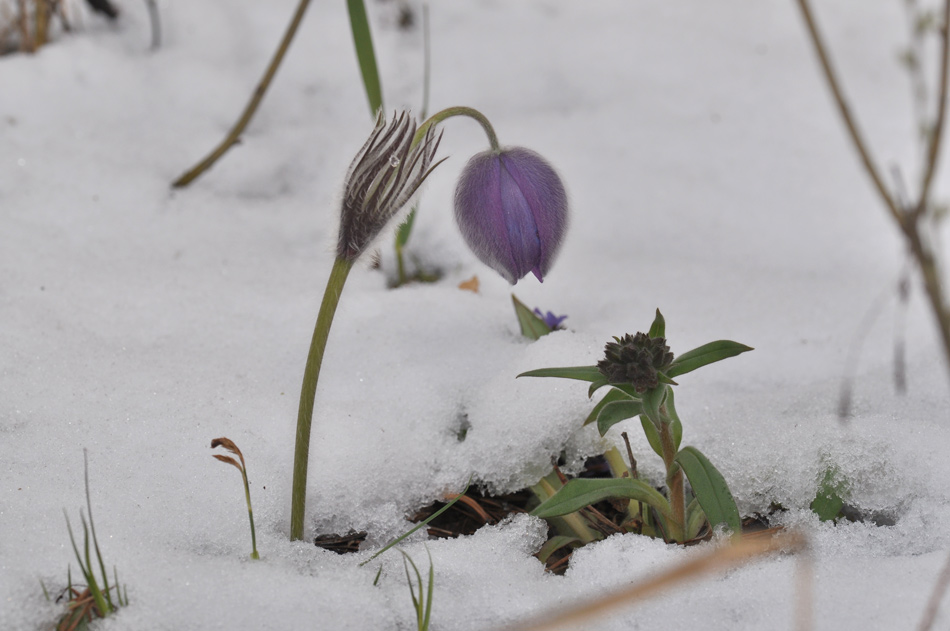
x=228, y=444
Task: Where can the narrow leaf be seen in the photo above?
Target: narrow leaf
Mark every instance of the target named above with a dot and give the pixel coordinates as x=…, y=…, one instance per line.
x=404, y=230
x=582, y=492
x=617, y=411
x=363, y=40
x=610, y=397
x=710, y=489
x=658, y=328
x=395, y=541
x=532, y=327
x=677, y=425
x=652, y=400
x=652, y=434
x=705, y=354
x=554, y=544
x=580, y=373
x=695, y=518
x=597, y=385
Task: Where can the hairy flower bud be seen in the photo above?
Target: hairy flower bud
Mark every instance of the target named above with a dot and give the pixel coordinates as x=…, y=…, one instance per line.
x=512, y=210
x=382, y=178
x=635, y=359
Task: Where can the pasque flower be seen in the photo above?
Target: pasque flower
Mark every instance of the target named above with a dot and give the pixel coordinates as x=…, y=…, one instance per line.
x=512, y=211
x=382, y=178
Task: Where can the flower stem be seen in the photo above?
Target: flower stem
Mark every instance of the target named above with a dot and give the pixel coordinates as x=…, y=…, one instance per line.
x=460, y=110
x=331, y=297
x=250, y=514
x=674, y=482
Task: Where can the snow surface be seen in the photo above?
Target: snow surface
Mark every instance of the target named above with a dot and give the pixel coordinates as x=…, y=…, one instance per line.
x=709, y=176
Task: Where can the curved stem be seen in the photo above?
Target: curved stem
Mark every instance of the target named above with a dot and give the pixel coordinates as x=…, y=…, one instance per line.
x=235, y=134
x=460, y=110
x=331, y=297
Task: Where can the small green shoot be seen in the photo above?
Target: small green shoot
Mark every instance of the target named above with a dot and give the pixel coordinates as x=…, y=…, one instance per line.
x=423, y=602
x=96, y=600
x=230, y=446
x=831, y=494
x=420, y=524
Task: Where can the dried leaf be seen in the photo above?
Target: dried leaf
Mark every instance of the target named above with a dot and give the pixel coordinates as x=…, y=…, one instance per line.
x=470, y=285
x=229, y=460
x=228, y=444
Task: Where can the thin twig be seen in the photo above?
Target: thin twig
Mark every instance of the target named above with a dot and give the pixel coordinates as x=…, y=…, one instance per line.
x=943, y=582
x=234, y=135
x=846, y=113
x=937, y=133
x=720, y=559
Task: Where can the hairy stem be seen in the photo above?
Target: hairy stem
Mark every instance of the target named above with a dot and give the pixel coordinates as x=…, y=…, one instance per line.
x=331, y=297
x=235, y=134
x=674, y=484
x=460, y=110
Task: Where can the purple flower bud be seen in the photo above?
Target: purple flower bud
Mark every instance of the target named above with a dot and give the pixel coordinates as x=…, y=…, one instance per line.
x=382, y=178
x=512, y=210
x=553, y=321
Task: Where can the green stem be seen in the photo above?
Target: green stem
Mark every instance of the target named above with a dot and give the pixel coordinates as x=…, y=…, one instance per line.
x=674, y=482
x=250, y=514
x=460, y=110
x=331, y=297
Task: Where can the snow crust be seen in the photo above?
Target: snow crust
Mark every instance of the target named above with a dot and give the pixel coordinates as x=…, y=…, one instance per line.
x=709, y=176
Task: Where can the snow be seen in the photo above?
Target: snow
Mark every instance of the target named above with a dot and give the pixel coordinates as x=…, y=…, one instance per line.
x=709, y=176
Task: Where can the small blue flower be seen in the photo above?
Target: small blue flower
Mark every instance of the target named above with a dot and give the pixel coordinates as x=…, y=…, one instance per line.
x=512, y=211
x=553, y=321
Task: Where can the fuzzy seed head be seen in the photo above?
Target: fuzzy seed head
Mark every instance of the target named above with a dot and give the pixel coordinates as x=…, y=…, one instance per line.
x=381, y=180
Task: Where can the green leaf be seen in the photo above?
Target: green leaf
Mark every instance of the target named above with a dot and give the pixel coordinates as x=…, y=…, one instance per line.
x=677, y=425
x=532, y=327
x=617, y=411
x=652, y=400
x=658, y=328
x=597, y=385
x=705, y=354
x=829, y=499
x=695, y=518
x=582, y=492
x=405, y=228
x=652, y=434
x=363, y=40
x=580, y=373
x=710, y=489
x=614, y=395
x=554, y=544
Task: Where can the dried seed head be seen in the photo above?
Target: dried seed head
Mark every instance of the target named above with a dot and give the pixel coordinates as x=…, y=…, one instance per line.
x=635, y=359
x=381, y=180
x=228, y=444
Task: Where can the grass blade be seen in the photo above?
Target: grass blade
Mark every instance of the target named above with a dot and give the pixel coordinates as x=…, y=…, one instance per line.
x=365, y=55
x=419, y=525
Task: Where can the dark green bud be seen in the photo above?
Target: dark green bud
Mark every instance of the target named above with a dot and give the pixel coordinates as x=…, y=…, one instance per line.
x=635, y=359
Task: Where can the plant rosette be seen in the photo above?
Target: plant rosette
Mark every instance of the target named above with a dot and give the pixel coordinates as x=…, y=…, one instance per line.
x=640, y=371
